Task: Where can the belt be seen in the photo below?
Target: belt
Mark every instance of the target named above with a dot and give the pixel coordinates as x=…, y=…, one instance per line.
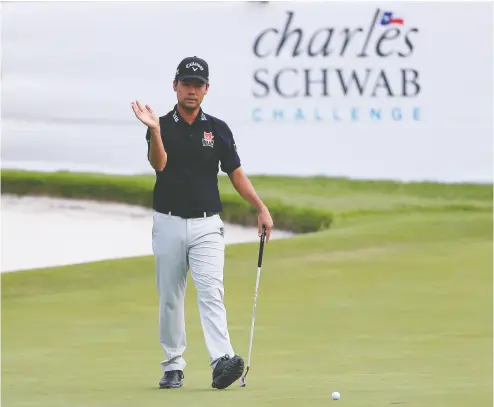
x=191, y=214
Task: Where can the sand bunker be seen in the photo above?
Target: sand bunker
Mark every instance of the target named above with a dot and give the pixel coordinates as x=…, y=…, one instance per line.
x=42, y=232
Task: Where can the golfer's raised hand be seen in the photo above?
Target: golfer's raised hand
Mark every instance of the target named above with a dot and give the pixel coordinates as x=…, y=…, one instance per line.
x=145, y=114
x=264, y=218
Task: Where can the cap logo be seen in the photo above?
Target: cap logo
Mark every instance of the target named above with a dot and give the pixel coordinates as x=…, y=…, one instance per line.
x=193, y=65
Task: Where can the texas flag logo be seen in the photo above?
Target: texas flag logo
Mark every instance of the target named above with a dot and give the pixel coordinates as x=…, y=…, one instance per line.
x=388, y=19
x=208, y=141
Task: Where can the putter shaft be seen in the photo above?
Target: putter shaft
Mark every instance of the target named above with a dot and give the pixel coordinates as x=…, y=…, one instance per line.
x=259, y=264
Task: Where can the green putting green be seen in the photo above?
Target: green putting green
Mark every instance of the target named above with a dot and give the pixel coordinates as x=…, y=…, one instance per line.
x=391, y=307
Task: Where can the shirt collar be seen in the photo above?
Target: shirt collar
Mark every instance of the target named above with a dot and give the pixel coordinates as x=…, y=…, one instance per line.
x=178, y=118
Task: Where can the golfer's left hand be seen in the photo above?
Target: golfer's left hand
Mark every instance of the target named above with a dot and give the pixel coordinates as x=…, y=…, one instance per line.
x=264, y=218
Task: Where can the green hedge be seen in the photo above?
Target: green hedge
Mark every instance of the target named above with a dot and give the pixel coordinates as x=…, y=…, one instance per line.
x=138, y=190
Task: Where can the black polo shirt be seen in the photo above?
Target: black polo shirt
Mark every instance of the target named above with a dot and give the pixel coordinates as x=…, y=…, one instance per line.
x=196, y=152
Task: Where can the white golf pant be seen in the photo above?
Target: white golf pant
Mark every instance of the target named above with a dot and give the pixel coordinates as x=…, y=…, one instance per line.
x=198, y=244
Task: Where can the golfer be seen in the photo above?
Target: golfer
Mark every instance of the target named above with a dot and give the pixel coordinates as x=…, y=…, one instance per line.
x=186, y=148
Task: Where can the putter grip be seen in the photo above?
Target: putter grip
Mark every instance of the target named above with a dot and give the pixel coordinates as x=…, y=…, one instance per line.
x=261, y=246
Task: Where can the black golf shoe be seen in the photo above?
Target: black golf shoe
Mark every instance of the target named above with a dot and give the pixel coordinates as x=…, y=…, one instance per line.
x=227, y=371
x=172, y=379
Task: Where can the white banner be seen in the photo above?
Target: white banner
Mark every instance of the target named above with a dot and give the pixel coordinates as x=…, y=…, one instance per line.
x=375, y=90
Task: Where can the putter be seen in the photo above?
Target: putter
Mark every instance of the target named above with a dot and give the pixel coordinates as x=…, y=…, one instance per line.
x=259, y=264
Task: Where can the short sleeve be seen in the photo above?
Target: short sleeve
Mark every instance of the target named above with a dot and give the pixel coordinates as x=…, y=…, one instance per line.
x=229, y=157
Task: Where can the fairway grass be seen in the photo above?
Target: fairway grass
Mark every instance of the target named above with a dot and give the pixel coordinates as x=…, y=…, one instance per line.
x=392, y=305
x=391, y=310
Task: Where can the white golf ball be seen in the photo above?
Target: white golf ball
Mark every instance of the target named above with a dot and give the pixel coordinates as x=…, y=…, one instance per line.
x=335, y=395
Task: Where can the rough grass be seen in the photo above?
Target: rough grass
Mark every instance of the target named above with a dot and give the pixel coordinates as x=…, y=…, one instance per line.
x=297, y=204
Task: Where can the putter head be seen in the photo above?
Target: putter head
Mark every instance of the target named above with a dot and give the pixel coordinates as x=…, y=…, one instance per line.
x=242, y=379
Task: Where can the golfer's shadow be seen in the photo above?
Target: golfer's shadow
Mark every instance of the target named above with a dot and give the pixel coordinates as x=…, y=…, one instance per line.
x=210, y=390
x=188, y=389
